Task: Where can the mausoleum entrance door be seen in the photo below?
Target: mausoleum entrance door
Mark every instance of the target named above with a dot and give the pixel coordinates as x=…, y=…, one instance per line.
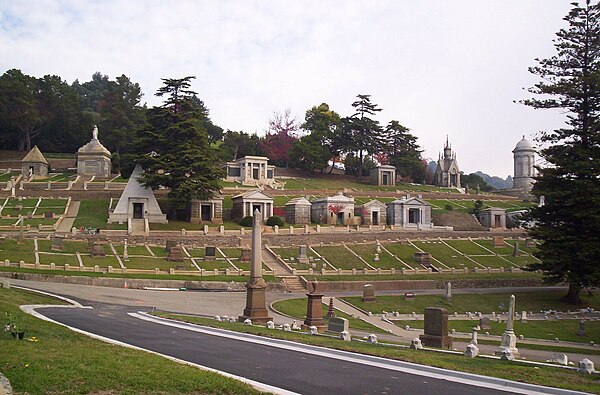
x=340, y=219
x=375, y=219
x=138, y=210
x=256, y=207
x=413, y=216
x=497, y=221
x=205, y=212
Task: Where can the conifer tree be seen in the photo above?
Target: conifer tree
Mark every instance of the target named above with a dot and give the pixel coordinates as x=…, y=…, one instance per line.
x=175, y=149
x=568, y=225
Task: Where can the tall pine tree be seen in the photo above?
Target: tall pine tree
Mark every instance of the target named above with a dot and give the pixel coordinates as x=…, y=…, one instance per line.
x=569, y=223
x=176, y=153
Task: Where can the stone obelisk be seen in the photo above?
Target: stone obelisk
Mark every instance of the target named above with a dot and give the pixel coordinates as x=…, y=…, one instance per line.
x=509, y=340
x=256, y=309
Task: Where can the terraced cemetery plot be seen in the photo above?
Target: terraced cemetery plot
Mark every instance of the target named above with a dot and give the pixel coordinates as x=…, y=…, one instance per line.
x=232, y=253
x=8, y=221
x=6, y=176
x=53, y=203
x=149, y=263
x=132, y=250
x=445, y=254
x=405, y=252
x=492, y=261
x=15, y=252
x=58, y=259
x=368, y=251
x=522, y=247
x=467, y=247
x=244, y=266
x=340, y=257
x=31, y=202
x=289, y=255
x=39, y=221
x=92, y=213
x=69, y=247
x=159, y=251
x=101, y=261
x=489, y=244
x=220, y=264
x=522, y=260
x=13, y=212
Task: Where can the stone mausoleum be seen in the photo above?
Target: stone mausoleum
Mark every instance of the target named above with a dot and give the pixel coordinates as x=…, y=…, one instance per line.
x=447, y=172
x=210, y=210
x=34, y=164
x=93, y=159
x=383, y=175
x=493, y=218
x=251, y=170
x=333, y=210
x=297, y=211
x=524, y=161
x=373, y=212
x=137, y=202
x=244, y=205
x=409, y=213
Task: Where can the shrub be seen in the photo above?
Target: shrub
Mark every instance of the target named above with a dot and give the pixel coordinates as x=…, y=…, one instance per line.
x=247, y=221
x=275, y=220
x=448, y=207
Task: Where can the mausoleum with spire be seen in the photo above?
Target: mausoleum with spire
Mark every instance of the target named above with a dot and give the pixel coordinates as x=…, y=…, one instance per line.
x=447, y=172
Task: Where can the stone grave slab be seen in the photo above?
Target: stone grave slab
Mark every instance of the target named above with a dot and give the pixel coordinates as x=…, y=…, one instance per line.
x=484, y=323
x=97, y=250
x=210, y=253
x=246, y=255
x=49, y=215
x=57, y=244
x=423, y=258
x=436, y=328
x=170, y=243
x=369, y=294
x=337, y=325
x=498, y=242
x=175, y=254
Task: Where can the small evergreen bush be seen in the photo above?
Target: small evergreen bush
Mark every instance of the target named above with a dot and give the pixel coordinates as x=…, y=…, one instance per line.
x=247, y=221
x=275, y=220
x=448, y=207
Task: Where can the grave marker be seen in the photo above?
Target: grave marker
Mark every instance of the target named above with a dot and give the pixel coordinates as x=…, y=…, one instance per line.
x=246, y=255
x=436, y=328
x=369, y=294
x=57, y=244
x=210, y=253
x=337, y=325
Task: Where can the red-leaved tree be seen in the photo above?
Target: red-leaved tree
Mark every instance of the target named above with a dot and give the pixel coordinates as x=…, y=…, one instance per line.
x=280, y=137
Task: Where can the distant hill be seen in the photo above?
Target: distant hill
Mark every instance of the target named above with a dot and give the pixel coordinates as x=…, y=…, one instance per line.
x=495, y=181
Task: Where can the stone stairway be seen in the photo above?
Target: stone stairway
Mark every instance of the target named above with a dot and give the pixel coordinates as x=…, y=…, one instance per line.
x=272, y=262
x=293, y=284
x=138, y=227
x=67, y=222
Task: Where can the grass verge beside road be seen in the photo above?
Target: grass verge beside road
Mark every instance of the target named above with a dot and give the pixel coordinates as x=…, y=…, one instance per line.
x=548, y=376
x=55, y=360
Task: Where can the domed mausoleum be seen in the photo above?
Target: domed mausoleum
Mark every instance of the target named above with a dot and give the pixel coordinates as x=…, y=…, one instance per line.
x=524, y=159
x=93, y=159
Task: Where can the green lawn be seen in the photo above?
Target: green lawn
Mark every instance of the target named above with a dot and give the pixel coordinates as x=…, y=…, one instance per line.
x=12, y=202
x=65, y=362
x=492, y=261
x=467, y=247
x=59, y=259
x=485, y=302
x=149, y=263
x=367, y=252
x=15, y=252
x=101, y=261
x=340, y=257
x=6, y=176
x=69, y=247
x=132, y=250
x=564, y=330
x=57, y=204
x=92, y=213
x=445, y=254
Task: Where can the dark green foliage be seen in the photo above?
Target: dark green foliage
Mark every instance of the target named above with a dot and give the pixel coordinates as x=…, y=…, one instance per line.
x=275, y=220
x=353, y=164
x=569, y=223
x=477, y=206
x=247, y=221
x=448, y=207
x=174, y=148
x=323, y=142
x=239, y=144
x=363, y=134
x=403, y=152
x=472, y=180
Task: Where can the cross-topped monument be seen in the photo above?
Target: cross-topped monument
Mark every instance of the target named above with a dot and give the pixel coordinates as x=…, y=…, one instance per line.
x=256, y=309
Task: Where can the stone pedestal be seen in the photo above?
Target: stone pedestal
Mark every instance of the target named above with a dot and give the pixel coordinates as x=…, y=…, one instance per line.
x=436, y=328
x=498, y=242
x=175, y=254
x=314, y=312
x=369, y=294
x=302, y=257
x=508, y=344
x=210, y=253
x=255, y=309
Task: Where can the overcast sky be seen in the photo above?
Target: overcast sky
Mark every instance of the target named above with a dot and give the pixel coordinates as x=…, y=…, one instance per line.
x=438, y=67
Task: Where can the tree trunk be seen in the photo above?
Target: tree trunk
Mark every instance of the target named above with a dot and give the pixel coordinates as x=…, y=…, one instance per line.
x=360, y=166
x=332, y=164
x=572, y=296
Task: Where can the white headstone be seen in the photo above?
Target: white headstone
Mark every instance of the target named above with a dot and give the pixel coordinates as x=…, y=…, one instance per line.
x=586, y=366
x=287, y=327
x=218, y=318
x=4, y=283
x=507, y=355
x=247, y=321
x=472, y=351
x=345, y=336
x=313, y=330
x=559, y=358
x=270, y=325
x=372, y=339
x=416, y=344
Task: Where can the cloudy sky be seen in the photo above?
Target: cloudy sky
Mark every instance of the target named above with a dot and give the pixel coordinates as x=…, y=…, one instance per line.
x=438, y=67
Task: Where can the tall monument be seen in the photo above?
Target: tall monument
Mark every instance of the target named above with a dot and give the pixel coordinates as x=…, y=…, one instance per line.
x=509, y=340
x=256, y=309
x=524, y=159
x=447, y=173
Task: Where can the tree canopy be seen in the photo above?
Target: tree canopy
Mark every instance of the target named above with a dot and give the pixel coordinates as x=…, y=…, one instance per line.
x=569, y=223
x=174, y=147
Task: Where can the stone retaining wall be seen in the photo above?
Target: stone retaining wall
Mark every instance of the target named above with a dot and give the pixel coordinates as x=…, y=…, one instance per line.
x=139, y=283
x=5, y=387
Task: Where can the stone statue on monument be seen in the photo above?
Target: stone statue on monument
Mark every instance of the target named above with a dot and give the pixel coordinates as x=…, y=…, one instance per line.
x=95, y=133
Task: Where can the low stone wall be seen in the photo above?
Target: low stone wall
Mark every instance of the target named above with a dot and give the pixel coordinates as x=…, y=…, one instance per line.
x=138, y=283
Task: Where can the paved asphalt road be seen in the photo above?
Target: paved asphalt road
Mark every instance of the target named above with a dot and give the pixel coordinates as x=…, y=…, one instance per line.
x=293, y=370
